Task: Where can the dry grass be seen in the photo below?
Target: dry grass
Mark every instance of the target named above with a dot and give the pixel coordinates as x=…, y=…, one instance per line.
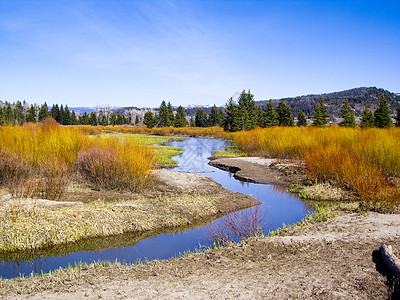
x=364, y=161
x=117, y=164
x=40, y=159
x=25, y=225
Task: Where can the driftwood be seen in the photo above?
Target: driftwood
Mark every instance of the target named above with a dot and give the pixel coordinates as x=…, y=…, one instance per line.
x=390, y=259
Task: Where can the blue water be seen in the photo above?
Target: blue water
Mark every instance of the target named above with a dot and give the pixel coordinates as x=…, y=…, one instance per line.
x=278, y=207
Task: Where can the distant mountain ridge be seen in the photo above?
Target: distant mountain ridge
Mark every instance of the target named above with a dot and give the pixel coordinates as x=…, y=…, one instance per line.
x=358, y=99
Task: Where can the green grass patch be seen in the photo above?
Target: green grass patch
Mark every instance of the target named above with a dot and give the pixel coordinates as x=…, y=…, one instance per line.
x=164, y=155
x=156, y=139
x=230, y=151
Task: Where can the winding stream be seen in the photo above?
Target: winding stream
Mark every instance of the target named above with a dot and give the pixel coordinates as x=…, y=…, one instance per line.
x=277, y=207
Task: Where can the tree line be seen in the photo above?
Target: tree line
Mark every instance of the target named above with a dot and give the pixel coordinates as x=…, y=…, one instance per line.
x=240, y=114
x=244, y=114
x=20, y=112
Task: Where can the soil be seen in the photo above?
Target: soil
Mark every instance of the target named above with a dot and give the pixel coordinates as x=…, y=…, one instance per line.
x=337, y=259
x=261, y=170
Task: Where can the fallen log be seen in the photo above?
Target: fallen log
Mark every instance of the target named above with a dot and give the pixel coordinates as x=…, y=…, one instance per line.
x=390, y=259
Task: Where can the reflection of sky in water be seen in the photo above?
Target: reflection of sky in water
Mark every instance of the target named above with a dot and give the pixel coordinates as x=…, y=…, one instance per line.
x=277, y=207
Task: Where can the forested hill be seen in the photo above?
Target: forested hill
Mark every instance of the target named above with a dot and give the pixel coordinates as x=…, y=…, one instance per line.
x=358, y=99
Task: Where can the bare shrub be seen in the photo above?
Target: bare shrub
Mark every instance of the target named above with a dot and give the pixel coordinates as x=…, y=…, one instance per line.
x=237, y=225
x=53, y=180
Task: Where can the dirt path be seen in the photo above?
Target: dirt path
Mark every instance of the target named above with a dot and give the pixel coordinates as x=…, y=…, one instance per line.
x=331, y=260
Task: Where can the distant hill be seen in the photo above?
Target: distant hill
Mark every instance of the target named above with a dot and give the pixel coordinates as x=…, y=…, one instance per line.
x=358, y=99
x=81, y=110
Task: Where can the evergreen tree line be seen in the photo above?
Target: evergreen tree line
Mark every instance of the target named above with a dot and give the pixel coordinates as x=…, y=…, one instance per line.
x=242, y=114
x=166, y=117
x=19, y=113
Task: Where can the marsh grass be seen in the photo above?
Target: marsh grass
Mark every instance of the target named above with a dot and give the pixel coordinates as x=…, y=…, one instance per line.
x=363, y=161
x=42, y=159
x=29, y=225
x=117, y=164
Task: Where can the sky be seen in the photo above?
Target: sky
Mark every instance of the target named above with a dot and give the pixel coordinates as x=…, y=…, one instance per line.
x=138, y=53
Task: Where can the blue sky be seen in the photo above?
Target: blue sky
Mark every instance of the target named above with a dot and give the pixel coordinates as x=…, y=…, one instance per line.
x=138, y=53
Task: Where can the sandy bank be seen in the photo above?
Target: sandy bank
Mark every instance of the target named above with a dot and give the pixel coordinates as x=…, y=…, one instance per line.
x=260, y=170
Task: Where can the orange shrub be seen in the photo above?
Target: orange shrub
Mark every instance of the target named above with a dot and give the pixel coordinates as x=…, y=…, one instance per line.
x=360, y=160
x=113, y=163
x=39, y=159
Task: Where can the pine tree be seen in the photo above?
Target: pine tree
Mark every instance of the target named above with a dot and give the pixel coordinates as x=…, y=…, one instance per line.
x=74, y=119
x=347, y=115
x=247, y=111
x=163, y=116
x=120, y=120
x=148, y=119
x=260, y=117
x=1, y=115
x=214, y=115
x=19, y=116
x=382, y=114
x=55, y=112
x=232, y=116
x=367, y=119
x=285, y=116
x=301, y=119
x=192, y=122
x=43, y=112
x=8, y=114
x=67, y=116
x=320, y=114
x=398, y=117
x=171, y=116
x=137, y=121
x=61, y=115
x=270, y=115
x=200, y=118
x=221, y=118
x=31, y=115
x=180, y=118
x=113, y=119
x=104, y=121
x=84, y=119
x=93, y=119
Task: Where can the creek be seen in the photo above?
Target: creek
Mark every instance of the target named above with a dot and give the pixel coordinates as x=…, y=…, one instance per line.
x=278, y=207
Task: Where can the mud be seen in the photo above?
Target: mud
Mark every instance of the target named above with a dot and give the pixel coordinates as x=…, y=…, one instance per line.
x=261, y=170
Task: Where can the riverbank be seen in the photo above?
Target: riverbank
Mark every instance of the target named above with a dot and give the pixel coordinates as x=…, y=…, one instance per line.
x=319, y=260
x=329, y=260
x=176, y=199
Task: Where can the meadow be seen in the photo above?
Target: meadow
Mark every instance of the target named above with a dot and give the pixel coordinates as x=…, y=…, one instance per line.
x=364, y=161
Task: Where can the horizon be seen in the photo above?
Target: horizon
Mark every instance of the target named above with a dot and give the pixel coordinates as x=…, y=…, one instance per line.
x=88, y=54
